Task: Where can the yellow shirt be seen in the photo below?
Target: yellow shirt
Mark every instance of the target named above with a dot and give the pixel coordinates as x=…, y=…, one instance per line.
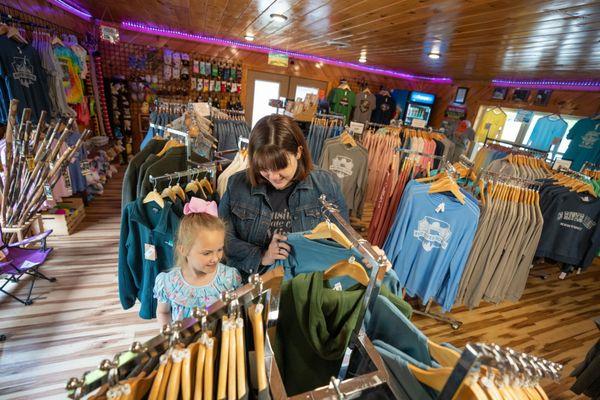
x=491, y=125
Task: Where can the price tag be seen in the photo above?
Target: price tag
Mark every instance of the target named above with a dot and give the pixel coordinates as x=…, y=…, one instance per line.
x=149, y=252
x=356, y=128
x=48, y=192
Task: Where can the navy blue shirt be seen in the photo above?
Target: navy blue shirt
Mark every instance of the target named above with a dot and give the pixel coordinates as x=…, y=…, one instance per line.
x=23, y=79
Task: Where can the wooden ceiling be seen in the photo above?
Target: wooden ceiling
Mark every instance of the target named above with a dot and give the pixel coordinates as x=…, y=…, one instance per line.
x=477, y=39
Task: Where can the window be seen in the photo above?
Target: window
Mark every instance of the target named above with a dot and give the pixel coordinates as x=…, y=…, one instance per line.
x=302, y=91
x=263, y=92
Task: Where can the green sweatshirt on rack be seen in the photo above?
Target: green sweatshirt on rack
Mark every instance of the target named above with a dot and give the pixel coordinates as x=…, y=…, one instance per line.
x=314, y=328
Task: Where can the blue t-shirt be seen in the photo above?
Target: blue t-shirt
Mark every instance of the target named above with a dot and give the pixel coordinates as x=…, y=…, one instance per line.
x=545, y=131
x=430, y=242
x=585, y=143
x=171, y=288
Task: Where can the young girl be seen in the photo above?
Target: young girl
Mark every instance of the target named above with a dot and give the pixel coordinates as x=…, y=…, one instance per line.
x=199, y=277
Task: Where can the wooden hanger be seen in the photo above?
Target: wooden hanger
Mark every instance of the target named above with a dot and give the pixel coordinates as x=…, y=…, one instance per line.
x=241, y=359
x=255, y=312
x=327, y=230
x=347, y=139
x=224, y=359
x=447, y=184
x=205, y=184
x=445, y=356
x=155, y=197
x=56, y=41
x=232, y=367
x=168, y=193
x=188, y=370
x=436, y=379
x=178, y=191
x=209, y=369
x=13, y=33
x=349, y=268
x=169, y=145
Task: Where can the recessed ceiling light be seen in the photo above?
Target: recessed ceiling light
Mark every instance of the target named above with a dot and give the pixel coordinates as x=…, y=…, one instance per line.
x=318, y=65
x=249, y=38
x=434, y=56
x=362, y=60
x=278, y=17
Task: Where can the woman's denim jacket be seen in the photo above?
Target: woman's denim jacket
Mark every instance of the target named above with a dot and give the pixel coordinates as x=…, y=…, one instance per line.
x=247, y=213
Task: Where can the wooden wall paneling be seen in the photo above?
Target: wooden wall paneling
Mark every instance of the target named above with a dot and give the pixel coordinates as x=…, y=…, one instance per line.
x=43, y=10
x=481, y=39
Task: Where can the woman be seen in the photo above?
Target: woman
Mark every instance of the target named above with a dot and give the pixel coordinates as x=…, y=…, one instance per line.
x=278, y=194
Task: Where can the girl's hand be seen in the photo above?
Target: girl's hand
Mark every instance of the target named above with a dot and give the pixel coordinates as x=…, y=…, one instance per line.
x=277, y=250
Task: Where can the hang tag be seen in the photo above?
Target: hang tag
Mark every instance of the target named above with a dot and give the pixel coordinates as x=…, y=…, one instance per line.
x=48, y=192
x=149, y=252
x=440, y=208
x=337, y=287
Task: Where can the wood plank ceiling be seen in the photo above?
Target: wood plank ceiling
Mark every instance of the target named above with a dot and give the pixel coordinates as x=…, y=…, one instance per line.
x=477, y=39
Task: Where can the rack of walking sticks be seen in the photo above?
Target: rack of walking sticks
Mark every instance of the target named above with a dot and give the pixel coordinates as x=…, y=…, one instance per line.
x=34, y=163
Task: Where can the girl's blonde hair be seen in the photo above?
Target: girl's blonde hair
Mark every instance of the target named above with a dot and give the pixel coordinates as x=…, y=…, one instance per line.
x=189, y=228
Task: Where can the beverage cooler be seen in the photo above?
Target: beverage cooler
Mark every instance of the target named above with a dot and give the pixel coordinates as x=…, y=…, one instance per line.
x=419, y=108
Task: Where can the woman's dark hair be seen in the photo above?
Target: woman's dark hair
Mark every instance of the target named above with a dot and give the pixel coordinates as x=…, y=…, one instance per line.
x=273, y=138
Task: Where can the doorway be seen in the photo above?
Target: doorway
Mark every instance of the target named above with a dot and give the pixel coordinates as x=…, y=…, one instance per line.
x=263, y=86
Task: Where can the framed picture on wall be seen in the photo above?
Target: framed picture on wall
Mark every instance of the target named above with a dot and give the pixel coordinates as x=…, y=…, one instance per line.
x=521, y=95
x=461, y=95
x=542, y=97
x=499, y=93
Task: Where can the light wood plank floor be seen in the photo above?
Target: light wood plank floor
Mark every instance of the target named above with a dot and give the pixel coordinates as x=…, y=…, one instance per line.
x=78, y=321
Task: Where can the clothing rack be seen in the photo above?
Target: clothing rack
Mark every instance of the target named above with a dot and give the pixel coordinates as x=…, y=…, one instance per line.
x=330, y=116
x=510, y=178
x=376, y=261
x=541, y=153
x=515, y=364
x=266, y=289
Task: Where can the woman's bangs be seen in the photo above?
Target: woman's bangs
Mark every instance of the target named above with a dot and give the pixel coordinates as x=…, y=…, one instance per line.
x=270, y=158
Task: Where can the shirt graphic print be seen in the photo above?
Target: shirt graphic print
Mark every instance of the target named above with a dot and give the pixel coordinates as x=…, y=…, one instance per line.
x=342, y=166
x=588, y=141
x=433, y=233
x=23, y=71
x=575, y=220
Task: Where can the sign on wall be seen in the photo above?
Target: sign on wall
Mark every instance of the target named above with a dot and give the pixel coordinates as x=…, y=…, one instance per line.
x=278, y=59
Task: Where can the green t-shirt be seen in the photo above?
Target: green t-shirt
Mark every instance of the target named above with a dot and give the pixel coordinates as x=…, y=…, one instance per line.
x=341, y=101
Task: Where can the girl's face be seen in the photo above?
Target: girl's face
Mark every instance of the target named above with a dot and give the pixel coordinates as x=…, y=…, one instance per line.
x=282, y=178
x=206, y=252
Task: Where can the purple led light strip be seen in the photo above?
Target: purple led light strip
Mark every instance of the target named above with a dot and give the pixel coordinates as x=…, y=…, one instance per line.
x=80, y=12
x=588, y=86
x=139, y=27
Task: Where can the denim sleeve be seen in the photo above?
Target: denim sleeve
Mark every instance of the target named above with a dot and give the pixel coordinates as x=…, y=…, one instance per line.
x=243, y=256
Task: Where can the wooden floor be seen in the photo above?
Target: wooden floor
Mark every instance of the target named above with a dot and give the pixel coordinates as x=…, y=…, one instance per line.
x=78, y=321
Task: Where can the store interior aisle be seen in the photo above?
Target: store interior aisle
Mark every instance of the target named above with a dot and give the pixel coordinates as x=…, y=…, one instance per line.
x=78, y=320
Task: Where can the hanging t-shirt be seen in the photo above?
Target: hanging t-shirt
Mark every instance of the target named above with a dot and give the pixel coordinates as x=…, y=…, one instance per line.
x=491, y=125
x=342, y=101
x=574, y=216
x=281, y=220
x=365, y=103
x=23, y=78
x=384, y=109
x=71, y=65
x=585, y=143
x=545, y=131
x=350, y=164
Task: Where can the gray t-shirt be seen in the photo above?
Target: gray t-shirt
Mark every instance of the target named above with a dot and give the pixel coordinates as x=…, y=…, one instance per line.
x=350, y=165
x=365, y=103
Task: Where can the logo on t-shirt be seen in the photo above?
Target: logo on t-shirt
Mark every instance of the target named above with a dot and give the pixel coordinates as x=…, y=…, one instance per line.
x=342, y=166
x=588, y=141
x=364, y=105
x=344, y=101
x=384, y=107
x=23, y=71
x=568, y=218
x=433, y=233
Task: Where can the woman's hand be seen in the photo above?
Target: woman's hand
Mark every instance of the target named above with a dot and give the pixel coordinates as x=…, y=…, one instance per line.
x=277, y=250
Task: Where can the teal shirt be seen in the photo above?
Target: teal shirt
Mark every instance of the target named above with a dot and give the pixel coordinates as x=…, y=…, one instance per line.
x=585, y=143
x=145, y=250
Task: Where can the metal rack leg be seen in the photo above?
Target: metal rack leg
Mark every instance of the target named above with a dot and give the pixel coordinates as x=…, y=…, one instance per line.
x=454, y=323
